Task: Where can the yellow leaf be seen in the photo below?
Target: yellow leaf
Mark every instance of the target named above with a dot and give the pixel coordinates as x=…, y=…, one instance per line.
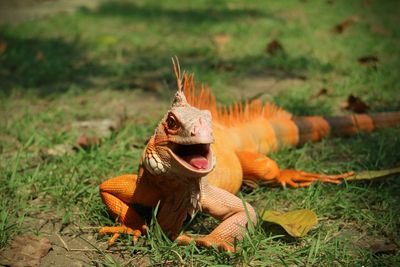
x=369, y=175
x=108, y=41
x=297, y=223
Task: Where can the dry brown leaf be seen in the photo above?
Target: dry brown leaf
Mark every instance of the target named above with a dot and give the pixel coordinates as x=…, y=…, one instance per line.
x=39, y=56
x=25, y=250
x=297, y=223
x=86, y=142
x=220, y=41
x=274, y=47
x=341, y=27
x=355, y=104
x=3, y=47
x=321, y=92
x=368, y=61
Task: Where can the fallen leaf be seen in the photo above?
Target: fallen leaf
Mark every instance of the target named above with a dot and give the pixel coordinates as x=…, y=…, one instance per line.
x=341, y=27
x=369, y=175
x=107, y=41
x=321, y=92
x=220, y=41
x=297, y=223
x=368, y=61
x=85, y=142
x=355, y=104
x=25, y=250
x=274, y=47
x=3, y=47
x=39, y=56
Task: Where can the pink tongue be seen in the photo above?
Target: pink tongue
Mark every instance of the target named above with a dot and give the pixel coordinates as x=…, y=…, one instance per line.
x=198, y=162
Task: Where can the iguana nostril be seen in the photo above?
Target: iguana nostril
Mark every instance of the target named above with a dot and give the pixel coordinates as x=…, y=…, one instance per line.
x=194, y=131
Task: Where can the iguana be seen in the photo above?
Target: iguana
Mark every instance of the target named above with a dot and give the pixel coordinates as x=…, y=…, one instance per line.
x=200, y=154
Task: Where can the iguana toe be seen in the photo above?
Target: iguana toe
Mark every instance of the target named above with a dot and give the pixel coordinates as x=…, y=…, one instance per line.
x=117, y=230
x=208, y=242
x=296, y=179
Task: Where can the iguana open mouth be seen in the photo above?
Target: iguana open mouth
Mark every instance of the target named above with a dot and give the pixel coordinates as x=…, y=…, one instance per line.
x=196, y=157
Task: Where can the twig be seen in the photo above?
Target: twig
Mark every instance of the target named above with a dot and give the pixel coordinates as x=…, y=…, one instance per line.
x=82, y=249
x=62, y=241
x=179, y=256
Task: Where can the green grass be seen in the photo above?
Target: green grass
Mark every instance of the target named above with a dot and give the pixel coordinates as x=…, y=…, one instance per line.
x=115, y=59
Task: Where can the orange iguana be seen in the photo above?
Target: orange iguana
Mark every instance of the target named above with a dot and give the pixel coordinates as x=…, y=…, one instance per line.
x=193, y=162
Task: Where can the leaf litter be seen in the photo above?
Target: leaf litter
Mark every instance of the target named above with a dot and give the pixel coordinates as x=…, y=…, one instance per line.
x=368, y=61
x=25, y=250
x=274, y=47
x=345, y=24
x=355, y=104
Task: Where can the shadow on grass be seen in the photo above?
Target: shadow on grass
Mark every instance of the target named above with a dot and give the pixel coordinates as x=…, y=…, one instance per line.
x=272, y=229
x=54, y=65
x=50, y=66
x=181, y=15
x=47, y=65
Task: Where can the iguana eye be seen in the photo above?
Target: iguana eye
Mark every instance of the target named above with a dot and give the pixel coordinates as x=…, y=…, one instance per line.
x=172, y=123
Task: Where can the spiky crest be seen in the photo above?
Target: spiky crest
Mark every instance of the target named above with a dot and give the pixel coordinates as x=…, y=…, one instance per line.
x=234, y=113
x=179, y=99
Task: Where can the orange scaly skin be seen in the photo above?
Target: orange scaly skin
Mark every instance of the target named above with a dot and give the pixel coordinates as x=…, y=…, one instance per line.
x=240, y=136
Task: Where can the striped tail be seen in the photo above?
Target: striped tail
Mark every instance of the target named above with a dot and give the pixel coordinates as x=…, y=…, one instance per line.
x=314, y=128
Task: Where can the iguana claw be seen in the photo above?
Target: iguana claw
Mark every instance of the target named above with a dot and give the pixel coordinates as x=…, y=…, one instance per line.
x=205, y=241
x=117, y=230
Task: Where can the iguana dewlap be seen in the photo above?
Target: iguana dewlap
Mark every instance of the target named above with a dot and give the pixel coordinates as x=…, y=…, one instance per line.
x=193, y=162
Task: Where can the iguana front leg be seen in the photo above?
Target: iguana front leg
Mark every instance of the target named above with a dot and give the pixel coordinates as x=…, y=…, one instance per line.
x=118, y=194
x=257, y=166
x=227, y=208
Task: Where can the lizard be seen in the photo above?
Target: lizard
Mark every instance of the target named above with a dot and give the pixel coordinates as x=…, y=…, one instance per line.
x=200, y=154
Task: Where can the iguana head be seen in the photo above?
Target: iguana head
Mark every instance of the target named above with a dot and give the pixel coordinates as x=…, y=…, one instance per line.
x=181, y=142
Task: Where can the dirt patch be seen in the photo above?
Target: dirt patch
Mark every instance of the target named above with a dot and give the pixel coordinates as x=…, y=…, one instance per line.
x=361, y=239
x=16, y=11
x=70, y=245
x=80, y=255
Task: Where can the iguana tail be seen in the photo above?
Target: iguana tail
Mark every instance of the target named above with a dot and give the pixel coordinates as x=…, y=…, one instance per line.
x=314, y=128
